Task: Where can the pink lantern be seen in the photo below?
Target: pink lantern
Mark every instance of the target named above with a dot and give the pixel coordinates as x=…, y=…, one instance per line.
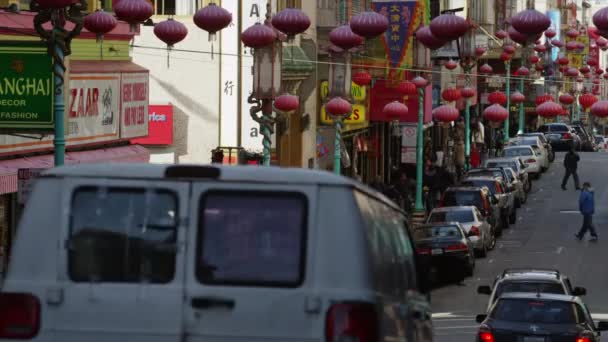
x=600, y=19
x=584, y=69
x=449, y=26
x=338, y=107
x=557, y=43
x=344, y=38
x=539, y=67
x=445, y=113
x=599, y=71
x=291, y=21
x=572, y=72
x=602, y=42
x=522, y=71
x=517, y=36
x=362, y=78
x=533, y=59
x=133, y=12
x=540, y=99
x=563, y=60
x=287, y=103
x=600, y=109
x=170, y=32
x=550, y=33
x=510, y=49
x=451, y=94
x=369, y=24
x=596, y=82
x=395, y=110
x=486, y=69
x=592, y=62
x=480, y=51
x=566, y=99
x=451, y=65
x=505, y=57
x=426, y=37
x=212, y=18
x=571, y=45
x=518, y=97
x=530, y=22
x=501, y=34
x=587, y=100
x=258, y=36
x=100, y=23
x=420, y=82
x=540, y=48
x=580, y=46
x=468, y=92
x=572, y=33
x=497, y=97
x=580, y=79
x=407, y=88
x=549, y=109
x=495, y=113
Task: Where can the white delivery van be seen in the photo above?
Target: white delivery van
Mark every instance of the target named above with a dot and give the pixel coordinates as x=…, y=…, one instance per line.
x=167, y=253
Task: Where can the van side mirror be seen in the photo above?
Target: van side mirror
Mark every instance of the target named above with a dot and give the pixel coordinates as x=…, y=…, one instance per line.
x=579, y=291
x=484, y=289
x=480, y=318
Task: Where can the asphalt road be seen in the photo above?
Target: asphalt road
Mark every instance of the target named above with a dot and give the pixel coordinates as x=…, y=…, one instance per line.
x=542, y=237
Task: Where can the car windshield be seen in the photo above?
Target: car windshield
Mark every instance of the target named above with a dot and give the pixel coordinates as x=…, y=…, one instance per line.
x=457, y=215
x=534, y=311
x=456, y=198
x=437, y=232
x=489, y=183
x=517, y=152
x=490, y=173
x=528, y=286
x=511, y=164
x=559, y=128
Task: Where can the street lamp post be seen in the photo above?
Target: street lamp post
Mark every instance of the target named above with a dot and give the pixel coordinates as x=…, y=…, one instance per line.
x=339, y=84
x=508, y=93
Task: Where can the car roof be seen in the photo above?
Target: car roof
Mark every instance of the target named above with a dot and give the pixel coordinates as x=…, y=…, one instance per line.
x=481, y=178
x=503, y=159
x=451, y=208
x=465, y=188
x=517, y=146
x=481, y=169
x=541, y=296
x=439, y=224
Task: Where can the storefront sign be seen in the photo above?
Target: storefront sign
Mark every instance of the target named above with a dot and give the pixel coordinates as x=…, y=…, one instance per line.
x=358, y=92
x=356, y=117
x=160, y=126
x=408, y=155
x=134, y=105
x=26, y=88
x=409, y=135
x=25, y=182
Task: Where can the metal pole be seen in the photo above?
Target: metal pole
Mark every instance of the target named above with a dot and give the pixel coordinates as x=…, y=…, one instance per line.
x=467, y=122
x=59, y=105
x=337, y=145
x=419, y=150
x=522, y=118
x=508, y=81
x=266, y=127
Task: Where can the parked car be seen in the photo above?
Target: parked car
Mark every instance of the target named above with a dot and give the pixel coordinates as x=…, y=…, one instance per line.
x=505, y=196
x=587, y=141
x=135, y=252
x=539, y=317
x=480, y=197
x=530, y=280
x=508, y=176
x=537, y=146
x=446, y=249
x=475, y=225
x=602, y=143
x=514, y=163
x=528, y=156
x=561, y=136
x=544, y=141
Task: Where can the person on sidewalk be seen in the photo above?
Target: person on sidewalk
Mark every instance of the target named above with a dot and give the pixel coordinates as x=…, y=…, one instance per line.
x=586, y=205
x=570, y=164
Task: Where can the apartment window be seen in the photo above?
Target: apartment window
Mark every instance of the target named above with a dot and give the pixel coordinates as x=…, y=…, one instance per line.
x=289, y=4
x=164, y=7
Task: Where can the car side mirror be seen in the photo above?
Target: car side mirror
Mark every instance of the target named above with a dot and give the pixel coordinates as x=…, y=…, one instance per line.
x=484, y=289
x=579, y=291
x=480, y=318
x=602, y=326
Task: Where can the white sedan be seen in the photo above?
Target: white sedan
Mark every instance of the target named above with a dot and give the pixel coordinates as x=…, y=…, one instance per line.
x=528, y=156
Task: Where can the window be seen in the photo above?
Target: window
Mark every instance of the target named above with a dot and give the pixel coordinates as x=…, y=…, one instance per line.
x=122, y=235
x=490, y=184
x=534, y=311
x=456, y=198
x=439, y=232
x=252, y=238
x=516, y=152
x=452, y=216
x=528, y=287
x=282, y=4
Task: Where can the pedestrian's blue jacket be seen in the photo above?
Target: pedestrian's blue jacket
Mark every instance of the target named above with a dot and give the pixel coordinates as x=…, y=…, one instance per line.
x=586, y=202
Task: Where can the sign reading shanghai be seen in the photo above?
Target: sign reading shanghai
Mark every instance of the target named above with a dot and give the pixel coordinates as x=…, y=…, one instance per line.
x=26, y=88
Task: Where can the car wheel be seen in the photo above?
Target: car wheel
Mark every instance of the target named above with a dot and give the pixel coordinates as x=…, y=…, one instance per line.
x=551, y=157
x=513, y=217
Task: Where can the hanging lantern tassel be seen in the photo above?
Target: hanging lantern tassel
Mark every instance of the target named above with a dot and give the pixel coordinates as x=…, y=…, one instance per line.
x=169, y=47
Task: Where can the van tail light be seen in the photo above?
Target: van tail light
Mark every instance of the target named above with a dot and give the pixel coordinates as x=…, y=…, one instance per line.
x=583, y=339
x=531, y=160
x=486, y=336
x=19, y=316
x=457, y=248
x=474, y=231
x=352, y=322
x=423, y=251
x=567, y=136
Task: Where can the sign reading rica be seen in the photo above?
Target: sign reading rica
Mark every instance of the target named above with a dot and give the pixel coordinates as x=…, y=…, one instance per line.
x=160, y=126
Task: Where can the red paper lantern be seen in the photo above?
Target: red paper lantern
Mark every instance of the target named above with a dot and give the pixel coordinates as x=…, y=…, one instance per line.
x=451, y=65
x=486, y=69
x=563, y=60
x=530, y=22
x=534, y=59
x=510, y=49
x=468, y=92
x=518, y=97
x=600, y=19
x=495, y=113
x=592, y=62
x=395, y=110
x=599, y=71
x=362, y=78
x=580, y=46
x=539, y=67
x=505, y=57
x=420, y=82
x=517, y=36
x=426, y=37
x=606, y=76
x=549, y=109
x=579, y=79
x=557, y=43
x=540, y=48
x=584, y=69
x=571, y=45
x=170, y=32
x=338, y=107
x=600, y=109
x=522, y=71
x=596, y=82
x=44, y=4
x=369, y=24
x=602, y=42
x=258, y=36
x=100, y=23
x=291, y=21
x=344, y=38
x=480, y=51
x=449, y=26
x=572, y=72
x=451, y=94
x=540, y=99
x=566, y=99
x=212, y=18
x=445, y=113
x=497, y=97
x=407, y=88
x=572, y=33
x=133, y=12
x=550, y=33
x=501, y=34
x=587, y=100
x=287, y=103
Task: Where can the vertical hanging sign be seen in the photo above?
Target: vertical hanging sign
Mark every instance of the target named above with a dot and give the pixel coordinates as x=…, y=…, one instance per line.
x=229, y=79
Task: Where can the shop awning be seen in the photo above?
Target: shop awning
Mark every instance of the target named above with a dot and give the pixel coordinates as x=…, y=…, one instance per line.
x=124, y=154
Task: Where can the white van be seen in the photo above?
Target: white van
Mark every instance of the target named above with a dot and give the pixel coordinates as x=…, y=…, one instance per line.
x=168, y=253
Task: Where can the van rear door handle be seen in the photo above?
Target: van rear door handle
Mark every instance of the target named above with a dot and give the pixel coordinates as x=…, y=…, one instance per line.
x=211, y=302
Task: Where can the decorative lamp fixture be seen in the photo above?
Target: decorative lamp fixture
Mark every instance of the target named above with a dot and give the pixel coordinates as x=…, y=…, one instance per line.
x=522, y=71
x=566, y=99
x=369, y=24
x=344, y=38
x=258, y=36
x=420, y=82
x=212, y=18
x=340, y=79
x=449, y=26
x=550, y=33
x=540, y=99
x=170, y=32
x=587, y=100
x=557, y=43
x=480, y=51
x=497, y=97
x=508, y=48
x=468, y=92
x=501, y=34
x=133, y=12
x=486, y=69
x=540, y=48
x=267, y=57
x=291, y=21
x=395, y=110
x=451, y=94
x=600, y=20
x=572, y=33
x=338, y=106
x=100, y=23
x=426, y=37
x=495, y=113
x=533, y=59
x=600, y=109
x=407, y=88
x=451, y=65
x=530, y=22
x=287, y=103
x=549, y=109
x=518, y=97
x=445, y=113
x=362, y=78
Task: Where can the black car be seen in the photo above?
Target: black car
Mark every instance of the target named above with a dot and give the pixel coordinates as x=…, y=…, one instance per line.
x=479, y=197
x=539, y=317
x=444, y=249
x=561, y=136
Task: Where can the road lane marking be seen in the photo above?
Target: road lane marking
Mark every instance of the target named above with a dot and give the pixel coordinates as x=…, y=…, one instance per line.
x=490, y=261
x=569, y=212
x=559, y=250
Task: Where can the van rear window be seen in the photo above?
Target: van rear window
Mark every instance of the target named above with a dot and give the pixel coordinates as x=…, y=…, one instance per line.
x=252, y=238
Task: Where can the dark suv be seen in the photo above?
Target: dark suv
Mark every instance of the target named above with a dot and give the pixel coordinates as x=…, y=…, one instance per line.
x=561, y=136
x=479, y=197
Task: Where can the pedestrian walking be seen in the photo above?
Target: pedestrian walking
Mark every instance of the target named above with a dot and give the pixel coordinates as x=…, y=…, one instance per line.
x=586, y=205
x=571, y=164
